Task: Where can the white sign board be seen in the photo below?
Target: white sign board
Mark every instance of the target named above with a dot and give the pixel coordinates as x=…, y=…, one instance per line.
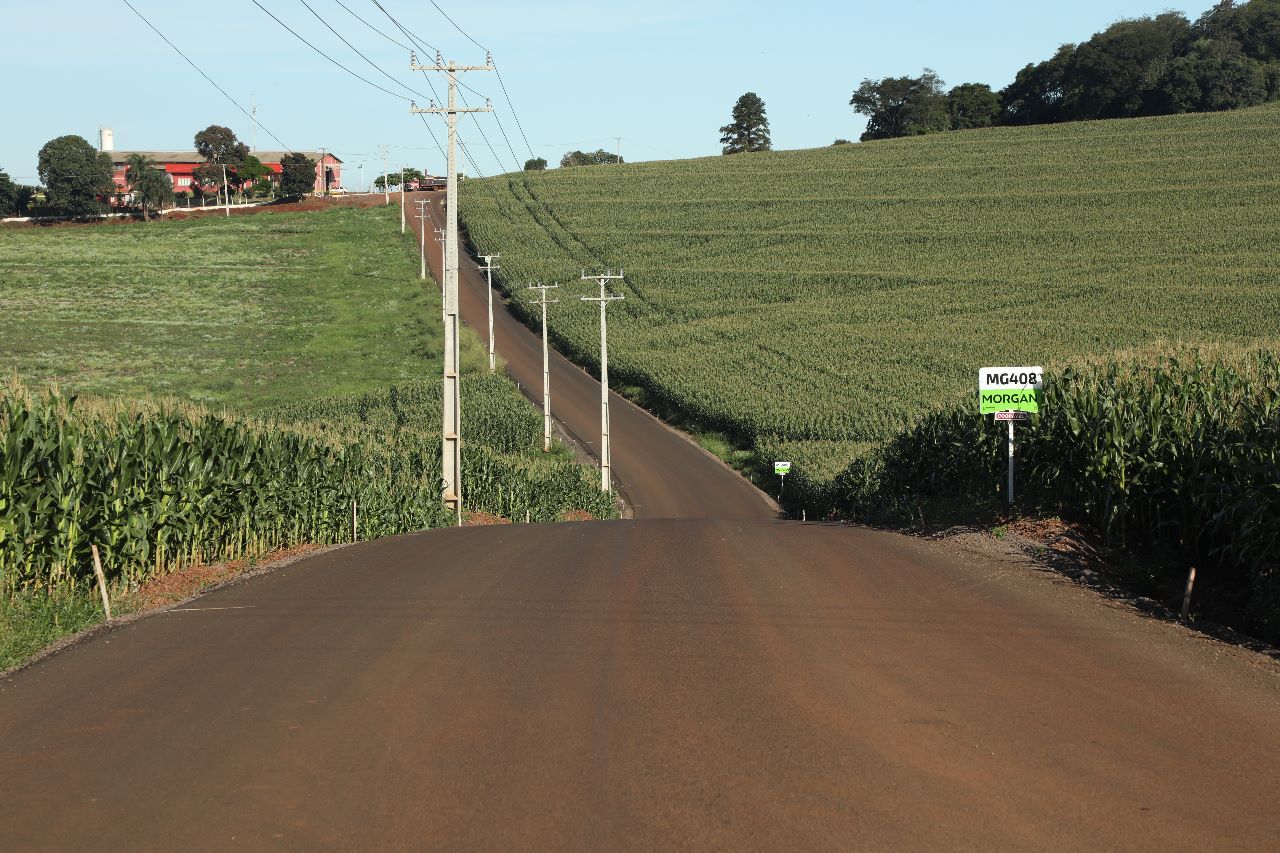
x=781, y=468
x=1010, y=389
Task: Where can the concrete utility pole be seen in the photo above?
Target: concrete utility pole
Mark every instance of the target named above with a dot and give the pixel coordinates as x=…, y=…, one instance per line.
x=226, y=191
x=401, y=198
x=606, y=459
x=324, y=174
x=386, y=187
x=619, y=138
x=440, y=239
x=451, y=449
x=488, y=269
x=546, y=363
x=422, y=238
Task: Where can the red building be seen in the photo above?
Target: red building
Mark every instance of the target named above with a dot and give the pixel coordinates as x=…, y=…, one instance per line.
x=181, y=164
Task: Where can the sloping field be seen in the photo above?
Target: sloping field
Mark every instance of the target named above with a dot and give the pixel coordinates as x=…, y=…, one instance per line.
x=819, y=300
x=246, y=312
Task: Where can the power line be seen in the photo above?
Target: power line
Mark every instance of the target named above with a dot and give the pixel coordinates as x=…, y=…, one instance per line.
x=206, y=76
x=358, y=53
x=496, y=72
x=372, y=27
x=410, y=36
x=456, y=27
x=328, y=57
x=421, y=44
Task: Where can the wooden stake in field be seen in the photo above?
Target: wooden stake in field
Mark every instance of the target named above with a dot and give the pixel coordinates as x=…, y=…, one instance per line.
x=102, y=581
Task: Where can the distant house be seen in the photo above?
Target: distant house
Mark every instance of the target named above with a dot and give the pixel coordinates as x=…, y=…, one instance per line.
x=181, y=164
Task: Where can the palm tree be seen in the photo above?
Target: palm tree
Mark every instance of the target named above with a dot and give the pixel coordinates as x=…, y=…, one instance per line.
x=151, y=186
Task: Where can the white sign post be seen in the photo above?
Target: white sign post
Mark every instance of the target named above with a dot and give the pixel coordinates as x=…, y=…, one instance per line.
x=1011, y=394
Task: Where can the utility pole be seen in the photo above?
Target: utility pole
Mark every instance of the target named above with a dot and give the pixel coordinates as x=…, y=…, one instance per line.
x=253, y=101
x=451, y=432
x=619, y=138
x=386, y=187
x=606, y=459
x=546, y=363
x=324, y=174
x=488, y=269
x=401, y=198
x=226, y=191
x=422, y=238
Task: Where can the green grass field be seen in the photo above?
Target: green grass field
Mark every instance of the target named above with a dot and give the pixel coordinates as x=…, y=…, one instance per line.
x=815, y=302
x=243, y=312
x=315, y=337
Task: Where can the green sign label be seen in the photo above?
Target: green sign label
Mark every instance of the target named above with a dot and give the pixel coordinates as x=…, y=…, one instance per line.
x=1010, y=401
x=1010, y=389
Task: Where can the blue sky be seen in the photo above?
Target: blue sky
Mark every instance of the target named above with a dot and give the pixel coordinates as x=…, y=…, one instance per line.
x=661, y=74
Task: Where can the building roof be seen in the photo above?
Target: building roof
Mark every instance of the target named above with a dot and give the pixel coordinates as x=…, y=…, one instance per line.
x=119, y=157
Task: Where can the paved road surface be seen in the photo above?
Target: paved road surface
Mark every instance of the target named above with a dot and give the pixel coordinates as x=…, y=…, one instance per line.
x=642, y=685
x=660, y=472
x=731, y=683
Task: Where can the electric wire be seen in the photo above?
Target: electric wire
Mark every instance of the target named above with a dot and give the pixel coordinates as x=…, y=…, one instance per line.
x=373, y=64
x=328, y=57
x=423, y=45
x=496, y=72
x=400, y=45
x=206, y=76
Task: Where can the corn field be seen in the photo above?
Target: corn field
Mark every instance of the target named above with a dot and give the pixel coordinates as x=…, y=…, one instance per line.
x=1181, y=451
x=835, y=296
x=161, y=486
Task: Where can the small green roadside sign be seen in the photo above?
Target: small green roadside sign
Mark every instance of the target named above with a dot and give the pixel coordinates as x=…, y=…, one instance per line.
x=781, y=468
x=1010, y=389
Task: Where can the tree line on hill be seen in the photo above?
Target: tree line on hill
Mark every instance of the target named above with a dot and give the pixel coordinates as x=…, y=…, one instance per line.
x=1227, y=59
x=77, y=179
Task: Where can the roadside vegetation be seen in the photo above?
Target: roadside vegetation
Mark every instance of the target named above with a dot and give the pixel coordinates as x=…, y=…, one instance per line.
x=815, y=306
x=227, y=389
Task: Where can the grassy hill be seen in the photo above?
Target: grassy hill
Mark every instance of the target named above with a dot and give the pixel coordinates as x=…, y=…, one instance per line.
x=814, y=302
x=245, y=312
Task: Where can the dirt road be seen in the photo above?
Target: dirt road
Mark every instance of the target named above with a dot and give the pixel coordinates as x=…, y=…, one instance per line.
x=701, y=683
x=642, y=685
x=659, y=472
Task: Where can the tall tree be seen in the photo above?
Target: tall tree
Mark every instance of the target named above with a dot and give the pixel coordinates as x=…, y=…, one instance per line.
x=902, y=106
x=537, y=164
x=75, y=175
x=218, y=144
x=219, y=147
x=297, y=175
x=8, y=195
x=1208, y=83
x=1110, y=75
x=251, y=170
x=150, y=186
x=971, y=105
x=599, y=157
x=1036, y=93
x=749, y=130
